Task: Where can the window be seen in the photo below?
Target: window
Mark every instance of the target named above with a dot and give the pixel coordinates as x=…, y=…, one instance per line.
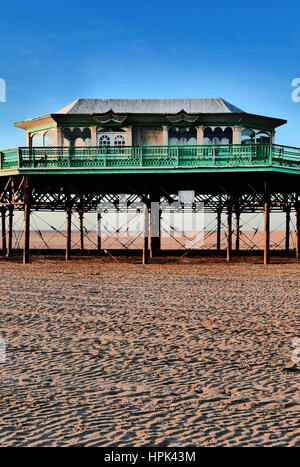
x=248, y=136
x=37, y=140
x=104, y=140
x=49, y=139
x=182, y=136
x=119, y=140
x=218, y=135
x=111, y=138
x=263, y=138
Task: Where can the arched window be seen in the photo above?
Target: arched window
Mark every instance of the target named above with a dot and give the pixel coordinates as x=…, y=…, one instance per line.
x=67, y=137
x=182, y=136
x=217, y=135
x=119, y=140
x=248, y=136
x=208, y=135
x=227, y=136
x=37, y=140
x=263, y=137
x=104, y=140
x=49, y=139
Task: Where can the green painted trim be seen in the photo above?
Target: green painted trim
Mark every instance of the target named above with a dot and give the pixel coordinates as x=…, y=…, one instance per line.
x=80, y=171
x=33, y=119
x=158, y=124
x=40, y=128
x=174, y=170
x=145, y=159
x=89, y=124
x=288, y=170
x=86, y=125
x=164, y=123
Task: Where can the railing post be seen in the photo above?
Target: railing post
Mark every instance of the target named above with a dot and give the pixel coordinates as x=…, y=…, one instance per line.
x=141, y=156
x=1, y=156
x=253, y=154
x=270, y=154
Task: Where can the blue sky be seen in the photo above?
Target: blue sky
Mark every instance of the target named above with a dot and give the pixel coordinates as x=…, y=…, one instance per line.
x=55, y=52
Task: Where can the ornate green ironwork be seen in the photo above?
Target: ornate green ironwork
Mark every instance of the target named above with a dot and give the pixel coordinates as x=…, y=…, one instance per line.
x=152, y=157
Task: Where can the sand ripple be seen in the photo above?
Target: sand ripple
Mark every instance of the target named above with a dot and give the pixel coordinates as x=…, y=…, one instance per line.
x=193, y=354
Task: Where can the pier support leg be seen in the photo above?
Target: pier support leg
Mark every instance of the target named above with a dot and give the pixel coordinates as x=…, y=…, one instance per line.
x=287, y=231
x=298, y=232
x=27, y=203
x=155, y=230
x=219, y=231
x=3, y=231
x=68, y=238
x=267, y=224
x=146, y=235
x=10, y=231
x=98, y=232
x=237, y=223
x=80, y=215
x=229, y=233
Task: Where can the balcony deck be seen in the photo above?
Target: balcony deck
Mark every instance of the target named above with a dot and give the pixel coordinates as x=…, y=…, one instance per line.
x=150, y=159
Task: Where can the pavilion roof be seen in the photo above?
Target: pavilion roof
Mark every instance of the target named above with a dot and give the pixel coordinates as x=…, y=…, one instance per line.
x=201, y=111
x=150, y=106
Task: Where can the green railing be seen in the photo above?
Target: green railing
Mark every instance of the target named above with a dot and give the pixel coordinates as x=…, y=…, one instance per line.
x=9, y=158
x=157, y=157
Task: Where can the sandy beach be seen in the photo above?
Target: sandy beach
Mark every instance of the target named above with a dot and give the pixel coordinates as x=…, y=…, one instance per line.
x=189, y=353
